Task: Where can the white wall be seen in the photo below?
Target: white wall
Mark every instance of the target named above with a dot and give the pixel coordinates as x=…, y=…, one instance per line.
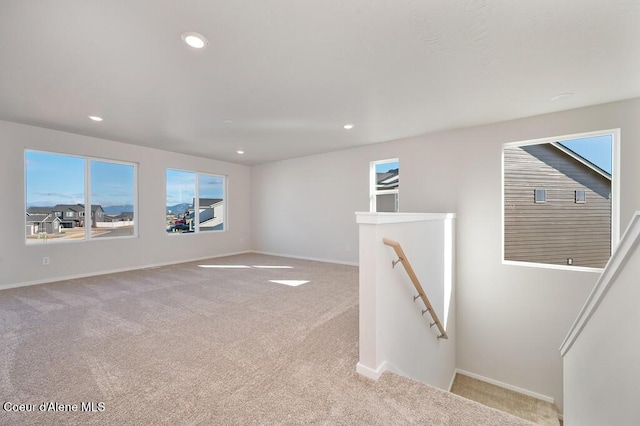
x=394, y=334
x=510, y=319
x=21, y=264
x=601, y=369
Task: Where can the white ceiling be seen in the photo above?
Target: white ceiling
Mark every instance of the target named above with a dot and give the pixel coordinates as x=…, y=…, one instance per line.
x=291, y=73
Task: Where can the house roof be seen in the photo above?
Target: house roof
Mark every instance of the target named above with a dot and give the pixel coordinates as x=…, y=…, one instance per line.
x=209, y=202
x=393, y=69
x=39, y=210
x=388, y=180
x=41, y=218
x=581, y=160
x=75, y=207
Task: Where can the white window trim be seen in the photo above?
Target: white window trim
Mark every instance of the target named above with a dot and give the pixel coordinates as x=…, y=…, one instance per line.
x=87, y=197
x=373, y=192
x=615, y=194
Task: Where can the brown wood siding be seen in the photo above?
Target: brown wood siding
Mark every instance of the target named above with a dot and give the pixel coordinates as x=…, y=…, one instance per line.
x=560, y=228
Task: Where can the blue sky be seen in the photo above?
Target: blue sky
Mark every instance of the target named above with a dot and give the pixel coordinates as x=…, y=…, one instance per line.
x=385, y=167
x=595, y=149
x=59, y=179
x=181, y=186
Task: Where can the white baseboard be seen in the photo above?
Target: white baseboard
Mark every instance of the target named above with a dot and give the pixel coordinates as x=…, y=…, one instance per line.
x=370, y=372
x=115, y=271
x=507, y=386
x=315, y=259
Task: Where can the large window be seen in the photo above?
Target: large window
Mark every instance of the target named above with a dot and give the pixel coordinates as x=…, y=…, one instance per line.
x=561, y=200
x=71, y=198
x=194, y=202
x=384, y=183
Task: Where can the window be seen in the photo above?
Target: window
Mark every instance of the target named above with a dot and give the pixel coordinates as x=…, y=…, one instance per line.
x=112, y=195
x=191, y=192
x=559, y=225
x=540, y=195
x=384, y=185
x=63, y=190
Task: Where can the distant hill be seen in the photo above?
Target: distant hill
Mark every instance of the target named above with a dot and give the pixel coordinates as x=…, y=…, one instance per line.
x=116, y=210
x=178, y=208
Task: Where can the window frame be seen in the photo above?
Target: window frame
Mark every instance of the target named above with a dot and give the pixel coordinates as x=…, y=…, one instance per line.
x=87, y=199
x=196, y=201
x=615, y=194
x=374, y=192
x=539, y=196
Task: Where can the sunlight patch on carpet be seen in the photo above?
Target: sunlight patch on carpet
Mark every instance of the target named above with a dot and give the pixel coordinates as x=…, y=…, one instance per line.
x=225, y=266
x=292, y=283
x=272, y=266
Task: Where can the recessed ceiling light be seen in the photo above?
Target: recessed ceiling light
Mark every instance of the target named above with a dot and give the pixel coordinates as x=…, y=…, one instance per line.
x=227, y=121
x=348, y=126
x=561, y=97
x=240, y=152
x=195, y=40
x=95, y=118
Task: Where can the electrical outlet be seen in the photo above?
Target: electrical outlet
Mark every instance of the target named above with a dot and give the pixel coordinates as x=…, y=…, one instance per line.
x=46, y=260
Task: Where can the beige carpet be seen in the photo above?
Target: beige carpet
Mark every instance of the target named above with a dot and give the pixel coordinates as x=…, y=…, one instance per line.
x=191, y=345
x=523, y=406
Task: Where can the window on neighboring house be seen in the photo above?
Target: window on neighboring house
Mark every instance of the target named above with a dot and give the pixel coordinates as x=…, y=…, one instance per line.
x=540, y=195
x=384, y=182
x=195, y=202
x=111, y=188
x=565, y=227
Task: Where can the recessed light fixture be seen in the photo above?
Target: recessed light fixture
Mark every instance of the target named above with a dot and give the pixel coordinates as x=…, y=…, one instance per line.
x=195, y=40
x=227, y=121
x=240, y=152
x=348, y=126
x=95, y=118
x=561, y=96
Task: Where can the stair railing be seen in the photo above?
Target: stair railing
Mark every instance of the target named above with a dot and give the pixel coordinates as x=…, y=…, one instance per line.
x=402, y=258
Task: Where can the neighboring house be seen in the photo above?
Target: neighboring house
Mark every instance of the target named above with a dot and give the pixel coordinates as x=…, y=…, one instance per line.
x=211, y=213
x=42, y=223
x=557, y=207
x=122, y=217
x=387, y=181
x=71, y=215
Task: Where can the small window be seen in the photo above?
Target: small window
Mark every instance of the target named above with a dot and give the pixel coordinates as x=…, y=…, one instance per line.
x=384, y=185
x=69, y=214
x=540, y=195
x=581, y=197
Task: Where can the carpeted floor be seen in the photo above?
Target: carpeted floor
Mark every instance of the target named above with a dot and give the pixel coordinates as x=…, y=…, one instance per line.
x=523, y=406
x=186, y=344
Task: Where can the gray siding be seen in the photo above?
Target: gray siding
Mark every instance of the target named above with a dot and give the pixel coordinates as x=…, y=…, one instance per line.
x=559, y=229
x=386, y=203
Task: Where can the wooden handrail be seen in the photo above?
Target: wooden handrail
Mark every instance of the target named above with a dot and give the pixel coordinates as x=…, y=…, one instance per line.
x=416, y=283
